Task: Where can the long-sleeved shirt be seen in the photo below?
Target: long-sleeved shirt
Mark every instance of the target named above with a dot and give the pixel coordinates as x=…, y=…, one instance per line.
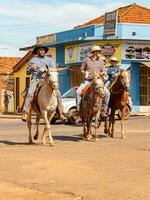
x=93, y=66
x=40, y=62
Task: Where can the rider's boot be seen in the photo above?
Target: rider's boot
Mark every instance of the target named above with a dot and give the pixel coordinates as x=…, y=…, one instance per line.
x=26, y=110
x=62, y=118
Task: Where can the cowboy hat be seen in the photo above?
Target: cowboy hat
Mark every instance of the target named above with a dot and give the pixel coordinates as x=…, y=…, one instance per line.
x=39, y=47
x=114, y=59
x=96, y=48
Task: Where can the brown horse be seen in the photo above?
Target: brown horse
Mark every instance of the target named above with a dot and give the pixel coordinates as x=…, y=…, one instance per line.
x=90, y=107
x=119, y=93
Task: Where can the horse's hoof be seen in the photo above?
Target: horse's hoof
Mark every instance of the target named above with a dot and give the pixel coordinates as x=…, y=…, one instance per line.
x=35, y=137
x=51, y=144
x=106, y=131
x=96, y=139
x=123, y=137
x=31, y=142
x=111, y=136
x=89, y=138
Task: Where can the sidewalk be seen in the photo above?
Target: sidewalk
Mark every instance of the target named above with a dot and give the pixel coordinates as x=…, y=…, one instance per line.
x=11, y=116
x=18, y=116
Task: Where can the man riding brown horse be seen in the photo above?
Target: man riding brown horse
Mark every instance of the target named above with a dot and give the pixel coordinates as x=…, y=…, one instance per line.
x=90, y=66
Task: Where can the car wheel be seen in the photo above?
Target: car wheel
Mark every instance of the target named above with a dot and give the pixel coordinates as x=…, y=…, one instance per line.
x=71, y=116
x=127, y=113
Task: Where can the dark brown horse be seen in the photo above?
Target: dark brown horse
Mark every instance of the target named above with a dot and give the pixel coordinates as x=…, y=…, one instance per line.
x=119, y=93
x=90, y=107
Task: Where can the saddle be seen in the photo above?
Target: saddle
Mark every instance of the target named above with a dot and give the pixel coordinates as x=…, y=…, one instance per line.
x=86, y=89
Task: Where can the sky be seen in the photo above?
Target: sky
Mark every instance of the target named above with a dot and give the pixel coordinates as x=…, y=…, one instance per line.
x=21, y=21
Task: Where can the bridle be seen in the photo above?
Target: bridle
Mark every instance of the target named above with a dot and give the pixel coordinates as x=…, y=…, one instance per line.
x=123, y=85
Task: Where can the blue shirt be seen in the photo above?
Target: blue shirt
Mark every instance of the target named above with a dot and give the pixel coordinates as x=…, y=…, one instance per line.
x=40, y=63
x=111, y=71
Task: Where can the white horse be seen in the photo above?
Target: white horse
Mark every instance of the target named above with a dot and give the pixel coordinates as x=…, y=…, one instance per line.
x=45, y=104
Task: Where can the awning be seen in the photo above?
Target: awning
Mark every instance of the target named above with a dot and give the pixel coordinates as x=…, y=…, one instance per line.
x=147, y=64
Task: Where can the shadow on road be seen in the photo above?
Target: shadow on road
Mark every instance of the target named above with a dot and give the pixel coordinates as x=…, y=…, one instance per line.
x=67, y=138
x=14, y=143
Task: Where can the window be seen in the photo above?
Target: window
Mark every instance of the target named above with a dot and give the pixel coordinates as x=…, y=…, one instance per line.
x=144, y=85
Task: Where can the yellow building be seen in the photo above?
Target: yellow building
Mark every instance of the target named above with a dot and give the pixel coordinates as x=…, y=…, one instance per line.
x=21, y=80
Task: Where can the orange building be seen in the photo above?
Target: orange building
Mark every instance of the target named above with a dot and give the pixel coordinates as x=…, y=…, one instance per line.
x=6, y=79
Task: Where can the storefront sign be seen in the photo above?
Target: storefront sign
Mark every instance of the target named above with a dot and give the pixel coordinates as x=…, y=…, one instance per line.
x=108, y=50
x=136, y=50
x=71, y=54
x=84, y=51
x=110, y=24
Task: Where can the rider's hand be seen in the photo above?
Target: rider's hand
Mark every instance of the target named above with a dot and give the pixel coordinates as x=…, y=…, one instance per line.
x=86, y=74
x=103, y=73
x=33, y=66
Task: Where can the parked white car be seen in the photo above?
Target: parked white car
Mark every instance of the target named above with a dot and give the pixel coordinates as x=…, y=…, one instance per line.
x=69, y=104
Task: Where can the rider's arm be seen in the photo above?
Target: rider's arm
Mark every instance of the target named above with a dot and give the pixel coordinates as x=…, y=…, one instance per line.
x=83, y=67
x=31, y=67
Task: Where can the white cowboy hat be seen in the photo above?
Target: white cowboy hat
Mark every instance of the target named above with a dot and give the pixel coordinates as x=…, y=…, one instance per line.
x=96, y=48
x=114, y=59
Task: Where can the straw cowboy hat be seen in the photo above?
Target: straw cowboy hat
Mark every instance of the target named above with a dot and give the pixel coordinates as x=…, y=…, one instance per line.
x=39, y=47
x=96, y=48
x=114, y=59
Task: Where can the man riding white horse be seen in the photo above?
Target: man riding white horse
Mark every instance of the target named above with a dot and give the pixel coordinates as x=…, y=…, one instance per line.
x=90, y=66
x=35, y=68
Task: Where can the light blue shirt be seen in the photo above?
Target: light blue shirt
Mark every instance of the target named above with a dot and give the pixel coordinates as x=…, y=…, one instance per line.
x=40, y=63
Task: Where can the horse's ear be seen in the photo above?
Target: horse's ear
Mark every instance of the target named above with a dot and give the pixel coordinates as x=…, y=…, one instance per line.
x=129, y=68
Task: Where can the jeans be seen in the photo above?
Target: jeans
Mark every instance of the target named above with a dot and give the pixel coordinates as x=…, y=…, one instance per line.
x=78, y=92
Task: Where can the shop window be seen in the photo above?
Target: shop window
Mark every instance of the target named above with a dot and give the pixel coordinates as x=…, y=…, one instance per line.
x=144, y=85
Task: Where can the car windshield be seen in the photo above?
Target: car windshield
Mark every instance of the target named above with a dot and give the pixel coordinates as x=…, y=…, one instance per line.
x=70, y=93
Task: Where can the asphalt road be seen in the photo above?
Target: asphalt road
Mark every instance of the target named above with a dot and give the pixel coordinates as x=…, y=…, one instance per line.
x=109, y=169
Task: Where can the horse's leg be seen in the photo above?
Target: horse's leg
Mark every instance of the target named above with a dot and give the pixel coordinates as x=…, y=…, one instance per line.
x=84, y=128
x=43, y=141
x=89, y=134
x=37, y=127
x=29, y=124
x=106, y=126
x=110, y=123
x=123, y=110
x=51, y=142
x=96, y=124
x=113, y=122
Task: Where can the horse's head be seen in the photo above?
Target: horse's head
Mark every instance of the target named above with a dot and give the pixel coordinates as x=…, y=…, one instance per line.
x=124, y=79
x=98, y=85
x=51, y=78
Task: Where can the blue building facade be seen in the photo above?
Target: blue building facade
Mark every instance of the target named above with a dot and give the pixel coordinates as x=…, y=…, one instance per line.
x=131, y=45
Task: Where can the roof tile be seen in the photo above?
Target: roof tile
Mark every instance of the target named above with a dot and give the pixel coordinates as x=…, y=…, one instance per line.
x=129, y=14
x=7, y=64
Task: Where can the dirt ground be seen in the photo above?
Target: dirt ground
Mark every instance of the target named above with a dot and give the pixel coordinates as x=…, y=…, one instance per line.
x=109, y=169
